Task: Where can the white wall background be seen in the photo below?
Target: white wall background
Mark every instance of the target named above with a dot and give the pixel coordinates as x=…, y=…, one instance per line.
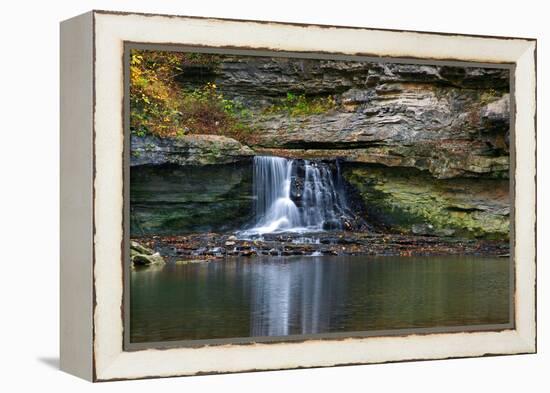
x=29, y=183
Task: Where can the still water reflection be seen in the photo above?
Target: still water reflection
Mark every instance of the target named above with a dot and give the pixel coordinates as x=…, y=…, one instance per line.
x=288, y=296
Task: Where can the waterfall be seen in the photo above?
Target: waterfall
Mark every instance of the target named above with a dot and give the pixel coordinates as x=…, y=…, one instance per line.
x=295, y=196
x=274, y=208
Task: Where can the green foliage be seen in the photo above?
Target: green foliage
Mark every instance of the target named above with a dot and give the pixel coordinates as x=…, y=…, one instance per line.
x=153, y=93
x=301, y=105
x=206, y=111
x=160, y=106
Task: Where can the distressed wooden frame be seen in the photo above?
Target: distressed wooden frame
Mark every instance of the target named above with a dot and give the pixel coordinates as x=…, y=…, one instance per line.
x=92, y=194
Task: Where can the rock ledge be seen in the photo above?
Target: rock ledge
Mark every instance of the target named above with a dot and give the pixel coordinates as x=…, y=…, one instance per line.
x=187, y=150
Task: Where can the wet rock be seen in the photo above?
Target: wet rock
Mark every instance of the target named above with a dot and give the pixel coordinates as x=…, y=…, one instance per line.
x=200, y=251
x=216, y=251
x=189, y=261
x=331, y=225
x=144, y=256
x=147, y=260
x=173, y=199
x=137, y=248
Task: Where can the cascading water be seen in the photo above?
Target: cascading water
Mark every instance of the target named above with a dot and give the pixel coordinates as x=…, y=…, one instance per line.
x=323, y=203
x=295, y=196
x=274, y=208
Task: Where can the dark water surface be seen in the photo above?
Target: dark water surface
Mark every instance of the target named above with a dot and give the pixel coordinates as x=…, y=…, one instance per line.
x=307, y=295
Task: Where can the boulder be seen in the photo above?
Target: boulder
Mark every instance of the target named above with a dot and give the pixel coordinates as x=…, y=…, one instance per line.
x=144, y=256
x=147, y=260
x=137, y=248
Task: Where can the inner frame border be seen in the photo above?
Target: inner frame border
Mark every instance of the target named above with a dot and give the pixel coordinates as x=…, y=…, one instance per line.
x=125, y=246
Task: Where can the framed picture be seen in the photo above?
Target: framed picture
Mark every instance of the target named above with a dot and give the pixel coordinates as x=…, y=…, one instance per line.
x=245, y=195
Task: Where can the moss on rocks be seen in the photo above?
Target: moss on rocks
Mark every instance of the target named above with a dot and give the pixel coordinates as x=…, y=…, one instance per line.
x=143, y=256
x=182, y=199
x=403, y=200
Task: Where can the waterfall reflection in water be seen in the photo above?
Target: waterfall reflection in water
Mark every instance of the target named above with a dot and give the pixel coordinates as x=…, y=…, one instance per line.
x=307, y=295
x=295, y=298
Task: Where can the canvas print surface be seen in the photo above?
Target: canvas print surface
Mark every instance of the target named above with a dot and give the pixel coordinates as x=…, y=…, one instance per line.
x=287, y=197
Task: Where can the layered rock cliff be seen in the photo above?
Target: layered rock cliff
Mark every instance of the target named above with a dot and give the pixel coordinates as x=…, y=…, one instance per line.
x=426, y=147
x=450, y=121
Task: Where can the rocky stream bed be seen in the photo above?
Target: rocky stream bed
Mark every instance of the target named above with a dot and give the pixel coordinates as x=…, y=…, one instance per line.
x=219, y=247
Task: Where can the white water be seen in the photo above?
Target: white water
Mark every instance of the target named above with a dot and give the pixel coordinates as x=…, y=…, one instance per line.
x=320, y=203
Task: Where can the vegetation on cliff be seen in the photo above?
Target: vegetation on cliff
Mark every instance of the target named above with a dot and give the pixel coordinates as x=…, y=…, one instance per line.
x=301, y=105
x=161, y=107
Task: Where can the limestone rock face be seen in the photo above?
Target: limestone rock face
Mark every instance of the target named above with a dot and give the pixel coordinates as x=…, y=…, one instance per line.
x=174, y=199
x=187, y=150
x=444, y=131
x=450, y=121
x=266, y=78
x=409, y=201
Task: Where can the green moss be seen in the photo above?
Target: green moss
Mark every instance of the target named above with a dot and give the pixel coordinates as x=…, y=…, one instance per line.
x=178, y=200
x=398, y=199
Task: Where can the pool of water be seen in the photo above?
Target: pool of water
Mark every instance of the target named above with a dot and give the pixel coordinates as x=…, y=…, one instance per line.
x=257, y=297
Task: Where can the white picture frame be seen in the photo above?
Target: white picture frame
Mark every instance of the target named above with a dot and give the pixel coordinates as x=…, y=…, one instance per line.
x=93, y=189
